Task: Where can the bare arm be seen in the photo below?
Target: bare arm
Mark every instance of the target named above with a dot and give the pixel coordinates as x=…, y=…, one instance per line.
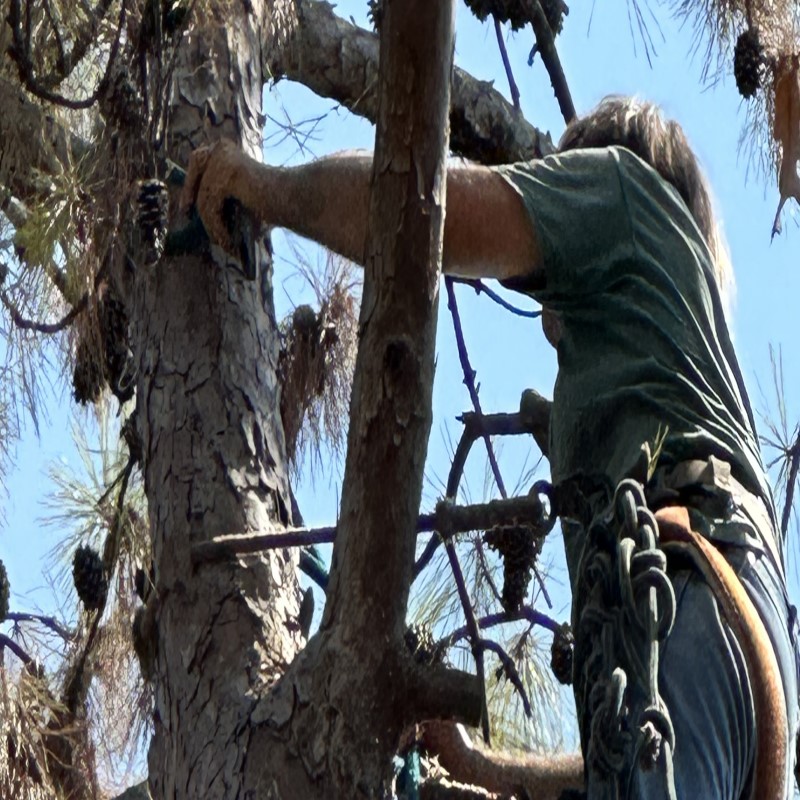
x=487, y=234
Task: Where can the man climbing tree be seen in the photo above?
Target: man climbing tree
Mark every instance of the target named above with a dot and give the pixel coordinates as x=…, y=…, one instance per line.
x=616, y=237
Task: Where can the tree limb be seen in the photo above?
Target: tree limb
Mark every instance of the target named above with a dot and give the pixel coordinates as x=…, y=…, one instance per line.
x=49, y=622
x=339, y=60
x=447, y=517
x=7, y=641
x=542, y=777
x=547, y=48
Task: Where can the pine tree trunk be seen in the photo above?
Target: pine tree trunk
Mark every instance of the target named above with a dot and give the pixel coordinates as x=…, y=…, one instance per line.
x=214, y=453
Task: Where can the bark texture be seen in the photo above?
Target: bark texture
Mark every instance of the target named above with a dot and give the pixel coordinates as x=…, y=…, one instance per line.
x=214, y=453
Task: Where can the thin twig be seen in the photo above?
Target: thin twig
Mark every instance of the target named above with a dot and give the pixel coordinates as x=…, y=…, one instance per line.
x=793, y=454
x=48, y=328
x=491, y=620
x=552, y=63
x=512, y=84
x=481, y=288
x=48, y=622
x=468, y=436
x=472, y=627
x=469, y=381
x=509, y=669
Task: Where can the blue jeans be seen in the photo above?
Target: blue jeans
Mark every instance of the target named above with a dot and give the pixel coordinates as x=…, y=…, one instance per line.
x=704, y=682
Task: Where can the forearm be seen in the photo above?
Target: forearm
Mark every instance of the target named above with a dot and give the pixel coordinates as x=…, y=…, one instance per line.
x=326, y=200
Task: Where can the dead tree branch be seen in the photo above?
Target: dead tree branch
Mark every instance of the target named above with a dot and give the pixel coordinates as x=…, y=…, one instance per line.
x=547, y=47
x=49, y=622
x=19, y=652
x=448, y=516
x=20, y=52
x=339, y=60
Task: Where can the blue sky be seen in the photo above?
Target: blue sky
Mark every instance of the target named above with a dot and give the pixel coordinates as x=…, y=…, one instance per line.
x=510, y=354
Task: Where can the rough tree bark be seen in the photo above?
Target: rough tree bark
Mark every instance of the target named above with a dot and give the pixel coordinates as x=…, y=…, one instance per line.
x=214, y=456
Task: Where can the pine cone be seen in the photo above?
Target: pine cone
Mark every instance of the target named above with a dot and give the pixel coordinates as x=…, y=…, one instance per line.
x=519, y=550
x=89, y=577
x=153, y=216
x=87, y=377
x=120, y=371
x=561, y=653
x=748, y=61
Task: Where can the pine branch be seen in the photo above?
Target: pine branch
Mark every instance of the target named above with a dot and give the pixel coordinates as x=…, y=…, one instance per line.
x=20, y=52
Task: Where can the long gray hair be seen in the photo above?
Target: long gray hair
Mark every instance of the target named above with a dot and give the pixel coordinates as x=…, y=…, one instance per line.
x=640, y=127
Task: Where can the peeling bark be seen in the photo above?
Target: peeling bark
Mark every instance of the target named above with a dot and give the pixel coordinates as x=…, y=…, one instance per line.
x=339, y=60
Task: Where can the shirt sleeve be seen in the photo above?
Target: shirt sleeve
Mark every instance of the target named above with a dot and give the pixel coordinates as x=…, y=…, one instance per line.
x=578, y=209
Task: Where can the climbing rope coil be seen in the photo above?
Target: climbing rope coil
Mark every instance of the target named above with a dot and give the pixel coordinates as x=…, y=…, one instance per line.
x=623, y=611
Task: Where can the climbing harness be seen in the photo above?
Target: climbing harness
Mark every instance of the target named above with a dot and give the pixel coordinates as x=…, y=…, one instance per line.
x=623, y=609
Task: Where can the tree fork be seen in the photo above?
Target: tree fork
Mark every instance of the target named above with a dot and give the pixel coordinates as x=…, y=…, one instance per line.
x=347, y=699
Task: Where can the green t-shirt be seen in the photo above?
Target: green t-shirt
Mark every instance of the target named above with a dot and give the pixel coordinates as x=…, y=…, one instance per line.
x=645, y=346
